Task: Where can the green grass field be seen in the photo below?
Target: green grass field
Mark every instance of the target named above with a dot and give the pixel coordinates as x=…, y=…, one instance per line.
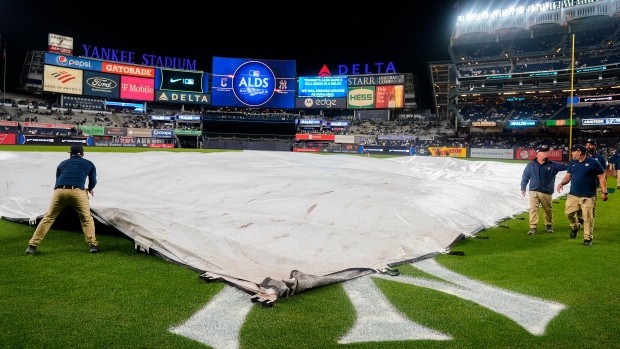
x=64, y=297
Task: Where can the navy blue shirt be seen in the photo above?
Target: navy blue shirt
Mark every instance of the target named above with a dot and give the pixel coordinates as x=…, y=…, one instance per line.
x=541, y=177
x=74, y=171
x=601, y=159
x=584, y=177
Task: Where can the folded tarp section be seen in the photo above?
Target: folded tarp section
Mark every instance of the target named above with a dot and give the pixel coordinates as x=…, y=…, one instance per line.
x=278, y=223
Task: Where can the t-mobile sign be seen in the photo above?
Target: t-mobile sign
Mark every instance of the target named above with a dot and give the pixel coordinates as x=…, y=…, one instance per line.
x=141, y=89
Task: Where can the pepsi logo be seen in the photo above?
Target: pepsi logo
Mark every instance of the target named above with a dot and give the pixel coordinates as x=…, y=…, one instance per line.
x=62, y=60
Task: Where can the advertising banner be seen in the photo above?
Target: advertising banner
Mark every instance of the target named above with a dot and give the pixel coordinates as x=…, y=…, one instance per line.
x=341, y=148
x=47, y=125
x=72, y=62
x=8, y=138
x=446, y=151
x=139, y=132
x=137, y=88
x=183, y=97
x=551, y=123
x=320, y=103
x=180, y=80
x=123, y=69
x=377, y=149
x=114, y=131
x=522, y=123
x=389, y=96
x=306, y=150
x=344, y=139
x=101, y=84
x=361, y=97
x=78, y=102
x=162, y=133
x=8, y=123
x=606, y=121
x=238, y=82
x=314, y=137
x=187, y=132
x=188, y=118
x=376, y=79
x=484, y=123
x=530, y=154
x=97, y=143
x=92, y=130
x=51, y=140
x=60, y=43
x=484, y=153
x=62, y=80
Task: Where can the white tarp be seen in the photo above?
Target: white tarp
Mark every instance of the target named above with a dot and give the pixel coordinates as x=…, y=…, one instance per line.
x=247, y=216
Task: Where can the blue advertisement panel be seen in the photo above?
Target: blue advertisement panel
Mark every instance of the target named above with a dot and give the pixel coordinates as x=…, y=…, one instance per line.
x=72, y=62
x=181, y=80
x=101, y=84
x=320, y=103
x=239, y=82
x=162, y=133
x=182, y=97
x=329, y=86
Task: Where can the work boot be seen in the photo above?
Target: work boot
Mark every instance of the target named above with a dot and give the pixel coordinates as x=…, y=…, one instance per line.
x=31, y=249
x=532, y=231
x=549, y=228
x=93, y=249
x=587, y=242
x=573, y=233
x=580, y=220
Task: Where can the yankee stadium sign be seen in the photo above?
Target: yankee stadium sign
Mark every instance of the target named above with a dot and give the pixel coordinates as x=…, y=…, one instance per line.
x=108, y=54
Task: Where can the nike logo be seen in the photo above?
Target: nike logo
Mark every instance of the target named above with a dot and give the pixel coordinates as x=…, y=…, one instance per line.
x=175, y=80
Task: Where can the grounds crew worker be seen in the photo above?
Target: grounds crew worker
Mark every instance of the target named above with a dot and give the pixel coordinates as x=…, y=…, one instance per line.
x=540, y=173
x=70, y=190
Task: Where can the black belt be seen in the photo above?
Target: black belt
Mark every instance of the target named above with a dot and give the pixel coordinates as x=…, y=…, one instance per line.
x=67, y=187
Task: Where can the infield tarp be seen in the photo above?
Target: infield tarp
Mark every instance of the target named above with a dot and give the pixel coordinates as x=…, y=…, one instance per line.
x=277, y=223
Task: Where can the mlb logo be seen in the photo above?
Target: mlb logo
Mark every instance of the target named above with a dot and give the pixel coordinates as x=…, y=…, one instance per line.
x=254, y=73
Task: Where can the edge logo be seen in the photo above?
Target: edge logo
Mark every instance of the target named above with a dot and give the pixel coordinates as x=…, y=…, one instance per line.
x=254, y=83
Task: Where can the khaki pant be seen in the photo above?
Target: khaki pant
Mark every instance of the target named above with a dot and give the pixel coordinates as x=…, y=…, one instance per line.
x=538, y=199
x=76, y=198
x=584, y=205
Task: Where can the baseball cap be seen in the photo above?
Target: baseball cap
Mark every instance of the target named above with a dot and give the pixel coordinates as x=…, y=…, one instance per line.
x=543, y=148
x=591, y=141
x=579, y=147
x=76, y=149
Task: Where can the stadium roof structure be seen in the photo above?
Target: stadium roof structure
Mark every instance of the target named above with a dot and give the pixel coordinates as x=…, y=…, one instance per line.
x=275, y=224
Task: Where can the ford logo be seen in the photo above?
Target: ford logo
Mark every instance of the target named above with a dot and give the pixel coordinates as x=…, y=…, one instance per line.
x=100, y=82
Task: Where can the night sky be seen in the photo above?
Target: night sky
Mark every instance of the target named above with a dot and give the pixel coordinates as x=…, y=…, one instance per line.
x=313, y=34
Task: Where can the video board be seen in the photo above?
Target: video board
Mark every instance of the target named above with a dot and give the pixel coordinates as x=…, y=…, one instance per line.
x=62, y=80
x=329, y=86
x=240, y=82
x=181, y=80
